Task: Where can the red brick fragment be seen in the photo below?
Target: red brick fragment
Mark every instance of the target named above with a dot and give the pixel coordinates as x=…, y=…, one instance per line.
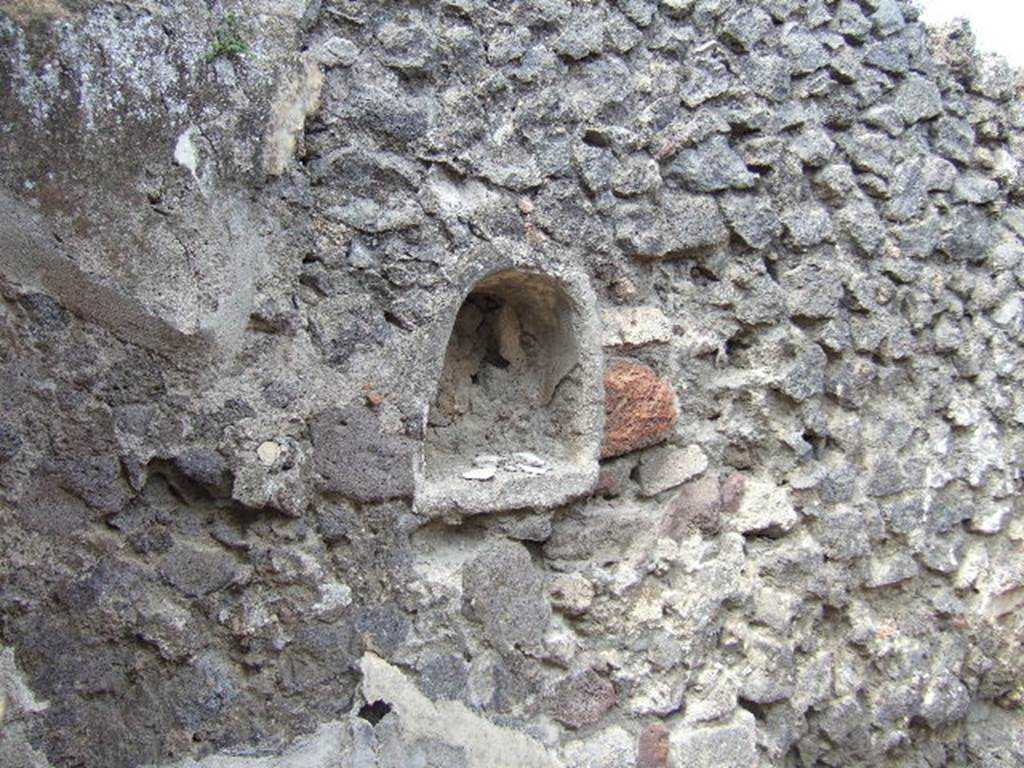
x=640, y=409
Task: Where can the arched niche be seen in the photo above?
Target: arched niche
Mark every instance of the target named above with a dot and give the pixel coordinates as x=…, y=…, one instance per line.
x=517, y=414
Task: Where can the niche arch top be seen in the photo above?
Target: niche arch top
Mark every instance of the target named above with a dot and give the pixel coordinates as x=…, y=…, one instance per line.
x=517, y=413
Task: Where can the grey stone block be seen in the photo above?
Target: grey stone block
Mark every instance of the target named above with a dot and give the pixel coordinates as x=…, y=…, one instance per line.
x=730, y=745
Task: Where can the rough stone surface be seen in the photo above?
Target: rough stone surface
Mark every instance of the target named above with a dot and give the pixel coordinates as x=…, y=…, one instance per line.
x=583, y=698
x=711, y=167
x=608, y=748
x=763, y=507
x=730, y=745
x=480, y=742
x=669, y=467
x=697, y=507
x=197, y=573
x=203, y=466
x=632, y=327
x=505, y=593
x=571, y=594
x=679, y=225
x=917, y=99
x=357, y=458
x=276, y=276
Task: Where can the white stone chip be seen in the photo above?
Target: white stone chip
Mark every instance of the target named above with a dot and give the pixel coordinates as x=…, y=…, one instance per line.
x=525, y=457
x=529, y=463
x=531, y=470
x=480, y=473
x=185, y=153
x=268, y=453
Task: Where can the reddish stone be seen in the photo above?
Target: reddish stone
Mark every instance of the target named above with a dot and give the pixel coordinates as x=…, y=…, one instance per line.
x=697, y=507
x=608, y=484
x=640, y=409
x=583, y=699
x=373, y=397
x=652, y=747
x=613, y=478
x=733, y=489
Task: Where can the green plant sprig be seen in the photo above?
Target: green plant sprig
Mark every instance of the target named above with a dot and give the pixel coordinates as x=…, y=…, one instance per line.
x=227, y=39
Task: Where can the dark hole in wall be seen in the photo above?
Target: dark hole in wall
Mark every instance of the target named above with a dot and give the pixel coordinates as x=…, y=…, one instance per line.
x=702, y=276
x=375, y=712
x=757, y=710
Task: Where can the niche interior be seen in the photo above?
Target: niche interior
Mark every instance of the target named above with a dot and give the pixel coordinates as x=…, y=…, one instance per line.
x=516, y=419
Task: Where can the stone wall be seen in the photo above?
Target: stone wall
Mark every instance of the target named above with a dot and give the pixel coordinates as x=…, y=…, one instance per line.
x=730, y=421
